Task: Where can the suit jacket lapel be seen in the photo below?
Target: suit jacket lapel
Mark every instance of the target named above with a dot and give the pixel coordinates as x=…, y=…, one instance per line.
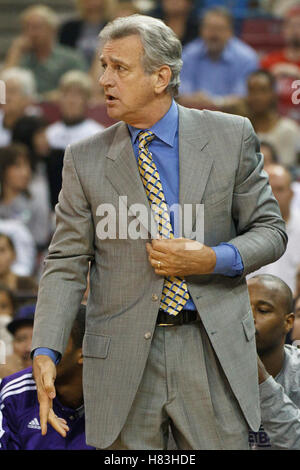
x=195, y=162
x=123, y=173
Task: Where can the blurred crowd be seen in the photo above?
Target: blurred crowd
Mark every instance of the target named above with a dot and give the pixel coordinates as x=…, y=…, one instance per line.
x=240, y=57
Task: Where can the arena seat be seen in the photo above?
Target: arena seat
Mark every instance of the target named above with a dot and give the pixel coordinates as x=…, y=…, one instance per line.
x=263, y=34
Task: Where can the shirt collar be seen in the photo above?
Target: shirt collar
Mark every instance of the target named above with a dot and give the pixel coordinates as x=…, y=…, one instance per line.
x=164, y=129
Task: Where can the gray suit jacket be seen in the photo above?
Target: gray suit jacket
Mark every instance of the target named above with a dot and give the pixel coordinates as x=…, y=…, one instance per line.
x=219, y=167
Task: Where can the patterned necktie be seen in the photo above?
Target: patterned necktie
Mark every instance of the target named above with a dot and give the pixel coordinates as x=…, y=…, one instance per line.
x=175, y=293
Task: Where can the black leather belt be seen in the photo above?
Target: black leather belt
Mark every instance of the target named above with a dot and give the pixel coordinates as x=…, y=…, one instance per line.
x=183, y=317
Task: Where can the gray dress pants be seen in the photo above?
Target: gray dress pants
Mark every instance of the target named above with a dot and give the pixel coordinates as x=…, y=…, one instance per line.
x=183, y=388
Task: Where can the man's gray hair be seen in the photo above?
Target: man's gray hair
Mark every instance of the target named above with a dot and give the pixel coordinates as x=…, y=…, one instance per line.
x=161, y=45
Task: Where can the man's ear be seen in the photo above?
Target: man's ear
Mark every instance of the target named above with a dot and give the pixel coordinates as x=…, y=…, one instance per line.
x=162, y=79
x=289, y=322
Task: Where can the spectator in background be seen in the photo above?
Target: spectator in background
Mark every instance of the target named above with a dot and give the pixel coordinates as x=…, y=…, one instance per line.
x=20, y=407
x=272, y=307
x=298, y=281
x=269, y=153
x=21, y=327
x=27, y=131
x=216, y=66
x=179, y=16
x=16, y=201
x=295, y=335
x=82, y=33
x=36, y=49
x=74, y=92
x=278, y=7
x=282, y=132
x=20, y=91
x=285, y=64
x=25, y=250
x=286, y=266
x=19, y=285
x=125, y=8
x=296, y=328
x=7, y=311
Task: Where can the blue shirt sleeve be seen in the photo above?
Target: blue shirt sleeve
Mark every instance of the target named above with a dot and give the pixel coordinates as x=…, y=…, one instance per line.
x=54, y=355
x=229, y=261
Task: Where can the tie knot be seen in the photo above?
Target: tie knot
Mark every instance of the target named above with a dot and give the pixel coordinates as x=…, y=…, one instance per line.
x=145, y=137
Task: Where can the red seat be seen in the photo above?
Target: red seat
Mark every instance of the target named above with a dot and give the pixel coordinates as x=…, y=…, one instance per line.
x=98, y=112
x=263, y=34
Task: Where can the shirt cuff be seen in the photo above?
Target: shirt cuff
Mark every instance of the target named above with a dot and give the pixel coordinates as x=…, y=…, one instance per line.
x=229, y=261
x=54, y=355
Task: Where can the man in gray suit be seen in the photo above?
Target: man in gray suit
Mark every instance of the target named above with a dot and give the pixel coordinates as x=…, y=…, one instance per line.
x=170, y=334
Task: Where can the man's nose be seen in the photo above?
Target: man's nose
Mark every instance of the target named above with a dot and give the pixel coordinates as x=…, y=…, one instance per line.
x=106, y=78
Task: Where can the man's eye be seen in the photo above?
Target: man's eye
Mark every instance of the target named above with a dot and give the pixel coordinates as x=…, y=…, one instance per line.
x=262, y=310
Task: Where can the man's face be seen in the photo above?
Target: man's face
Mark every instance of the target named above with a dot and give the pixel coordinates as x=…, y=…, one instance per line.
x=128, y=89
x=291, y=31
x=22, y=344
x=37, y=30
x=6, y=306
x=215, y=32
x=18, y=175
x=7, y=256
x=280, y=184
x=260, y=94
x=73, y=103
x=269, y=312
x=16, y=101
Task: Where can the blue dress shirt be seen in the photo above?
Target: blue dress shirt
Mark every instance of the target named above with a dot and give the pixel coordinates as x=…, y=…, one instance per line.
x=224, y=76
x=165, y=154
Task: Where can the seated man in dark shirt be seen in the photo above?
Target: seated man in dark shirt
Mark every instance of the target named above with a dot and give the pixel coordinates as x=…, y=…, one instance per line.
x=19, y=407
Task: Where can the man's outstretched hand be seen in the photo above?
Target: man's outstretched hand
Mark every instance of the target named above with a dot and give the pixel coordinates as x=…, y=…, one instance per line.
x=44, y=372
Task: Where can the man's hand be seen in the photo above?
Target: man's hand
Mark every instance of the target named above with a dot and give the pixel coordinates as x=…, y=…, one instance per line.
x=262, y=371
x=19, y=46
x=44, y=372
x=180, y=257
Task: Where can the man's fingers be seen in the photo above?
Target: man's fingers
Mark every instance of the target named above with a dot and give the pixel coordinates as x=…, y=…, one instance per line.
x=48, y=383
x=59, y=424
x=162, y=245
x=45, y=407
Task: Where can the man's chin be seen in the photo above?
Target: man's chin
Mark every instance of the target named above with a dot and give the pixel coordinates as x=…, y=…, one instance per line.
x=112, y=113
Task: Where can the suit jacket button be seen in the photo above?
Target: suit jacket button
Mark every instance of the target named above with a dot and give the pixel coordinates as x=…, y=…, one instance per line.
x=154, y=297
x=147, y=335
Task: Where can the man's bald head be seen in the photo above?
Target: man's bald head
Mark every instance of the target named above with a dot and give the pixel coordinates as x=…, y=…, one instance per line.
x=272, y=306
x=277, y=288
x=280, y=180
